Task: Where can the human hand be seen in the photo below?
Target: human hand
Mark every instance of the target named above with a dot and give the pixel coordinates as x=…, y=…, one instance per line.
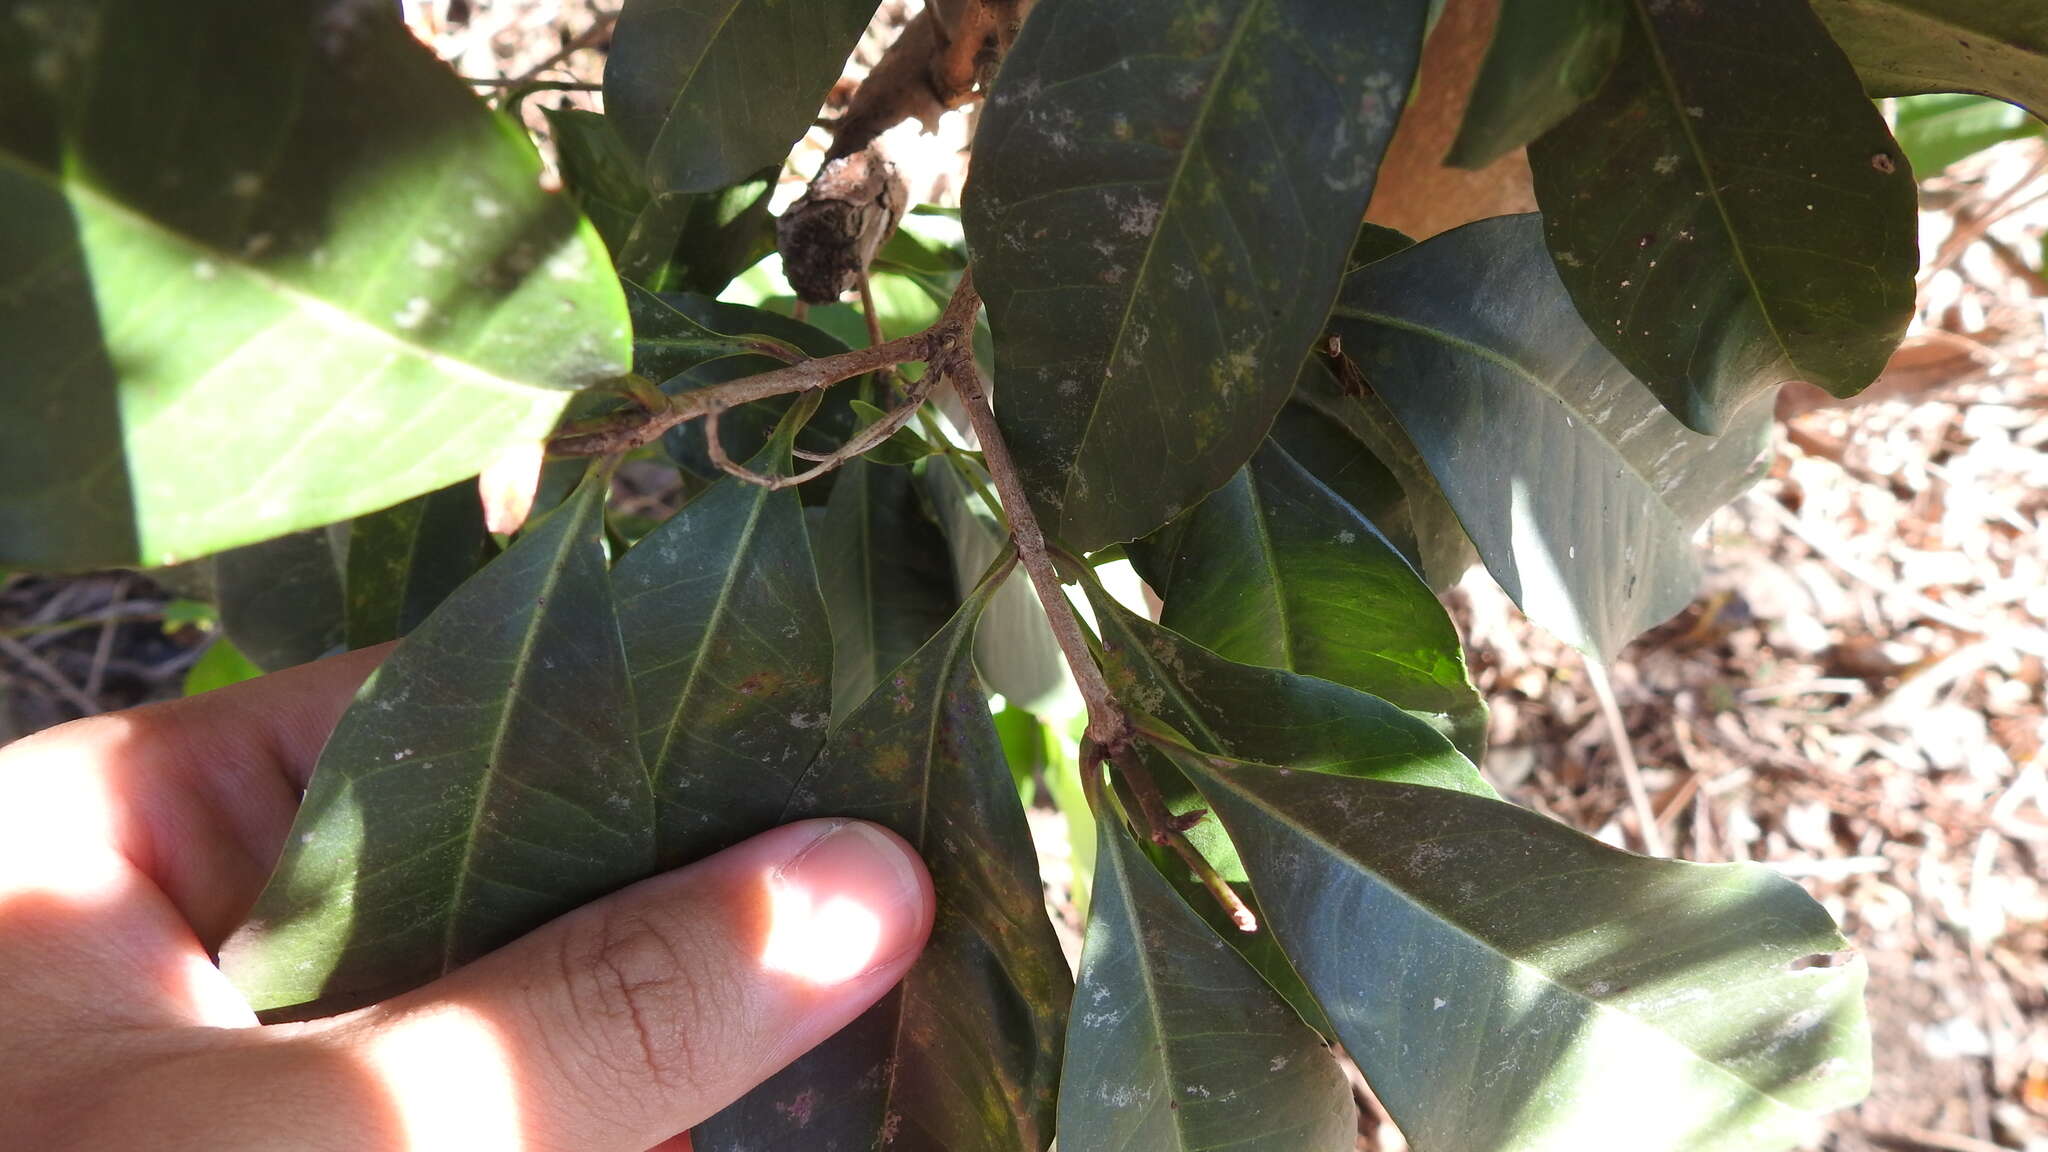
x=132, y=844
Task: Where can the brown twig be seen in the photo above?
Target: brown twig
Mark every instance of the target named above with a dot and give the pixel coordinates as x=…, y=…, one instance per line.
x=1169, y=831
x=103, y=648
x=864, y=441
x=867, y=309
x=624, y=431
x=598, y=30
x=1107, y=724
x=48, y=674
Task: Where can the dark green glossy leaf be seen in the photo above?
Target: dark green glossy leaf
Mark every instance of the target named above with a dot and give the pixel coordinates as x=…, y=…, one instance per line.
x=1161, y=197
x=1175, y=1044
x=669, y=339
x=1729, y=211
x=266, y=267
x=1472, y=342
x=710, y=92
x=599, y=172
x=484, y=781
x=1280, y=716
x=1275, y=569
x=281, y=600
x=1329, y=452
x=405, y=560
x=699, y=241
x=1547, y=57
x=1375, y=242
x=1523, y=986
x=731, y=654
x=1442, y=552
x=886, y=574
x=964, y=1054
x=1900, y=47
x=1940, y=128
x=902, y=447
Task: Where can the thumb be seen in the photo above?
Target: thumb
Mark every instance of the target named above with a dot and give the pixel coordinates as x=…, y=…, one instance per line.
x=634, y=1018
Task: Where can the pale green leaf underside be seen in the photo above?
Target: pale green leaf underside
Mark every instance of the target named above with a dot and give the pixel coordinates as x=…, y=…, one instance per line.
x=1900, y=47
x=265, y=269
x=1588, y=999
x=1579, y=490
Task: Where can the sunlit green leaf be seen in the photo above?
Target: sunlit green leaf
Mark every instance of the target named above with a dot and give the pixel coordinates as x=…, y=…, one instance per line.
x=1507, y=982
x=1940, y=128
x=266, y=267
x=1175, y=1044
x=1275, y=569
x=1282, y=717
x=1729, y=211
x=484, y=781
x=222, y=665
x=1163, y=195
x=963, y=1055
x=1471, y=341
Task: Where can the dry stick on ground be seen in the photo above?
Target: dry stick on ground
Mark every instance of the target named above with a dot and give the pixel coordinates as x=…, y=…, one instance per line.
x=48, y=674
x=1631, y=772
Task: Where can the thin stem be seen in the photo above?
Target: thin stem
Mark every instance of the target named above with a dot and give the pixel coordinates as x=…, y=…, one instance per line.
x=584, y=39
x=867, y=310
x=622, y=432
x=1167, y=832
x=1107, y=725
x=864, y=441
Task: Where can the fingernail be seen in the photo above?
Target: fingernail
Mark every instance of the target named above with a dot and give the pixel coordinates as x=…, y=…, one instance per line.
x=850, y=902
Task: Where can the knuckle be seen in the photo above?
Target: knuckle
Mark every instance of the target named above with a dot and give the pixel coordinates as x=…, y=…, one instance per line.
x=638, y=997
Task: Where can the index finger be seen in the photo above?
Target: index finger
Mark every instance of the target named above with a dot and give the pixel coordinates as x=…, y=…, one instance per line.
x=195, y=794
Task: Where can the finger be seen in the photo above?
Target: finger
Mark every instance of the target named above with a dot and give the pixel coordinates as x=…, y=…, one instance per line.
x=194, y=794
x=130, y=844
x=632, y=1019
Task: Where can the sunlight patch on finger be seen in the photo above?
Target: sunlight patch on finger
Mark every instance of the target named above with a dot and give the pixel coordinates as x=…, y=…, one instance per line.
x=819, y=937
x=449, y=1075
x=58, y=828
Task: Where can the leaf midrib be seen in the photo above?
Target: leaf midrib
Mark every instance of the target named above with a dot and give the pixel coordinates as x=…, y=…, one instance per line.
x=1197, y=137
x=522, y=664
x=328, y=313
x=1145, y=975
x=737, y=560
x=1713, y=187
x=1429, y=911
